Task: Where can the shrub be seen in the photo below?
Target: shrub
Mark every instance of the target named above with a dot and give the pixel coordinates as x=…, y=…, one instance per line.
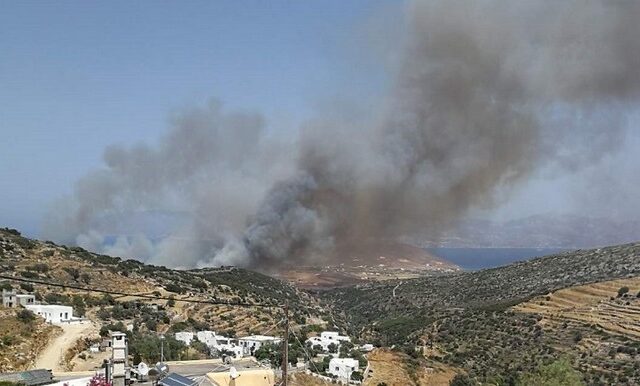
x=9, y=340
x=577, y=336
x=39, y=267
x=622, y=291
x=73, y=272
x=104, y=314
x=462, y=380
x=171, y=287
x=26, y=316
x=27, y=287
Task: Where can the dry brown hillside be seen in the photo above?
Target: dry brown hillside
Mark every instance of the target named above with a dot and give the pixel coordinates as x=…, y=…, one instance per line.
x=21, y=339
x=599, y=321
x=596, y=304
x=397, y=369
x=365, y=262
x=82, y=274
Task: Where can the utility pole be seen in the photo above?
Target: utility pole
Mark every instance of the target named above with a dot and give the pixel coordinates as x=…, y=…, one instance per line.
x=285, y=345
x=162, y=348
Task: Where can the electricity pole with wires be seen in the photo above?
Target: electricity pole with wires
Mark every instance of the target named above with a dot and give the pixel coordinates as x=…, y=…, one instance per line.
x=285, y=345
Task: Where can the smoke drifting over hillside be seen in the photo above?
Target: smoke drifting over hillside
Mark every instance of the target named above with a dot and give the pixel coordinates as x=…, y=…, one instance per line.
x=485, y=93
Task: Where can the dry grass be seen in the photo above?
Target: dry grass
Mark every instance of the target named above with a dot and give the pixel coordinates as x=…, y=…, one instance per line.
x=23, y=342
x=390, y=367
x=595, y=304
x=302, y=379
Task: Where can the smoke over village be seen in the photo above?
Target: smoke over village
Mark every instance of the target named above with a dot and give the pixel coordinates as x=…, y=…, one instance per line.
x=482, y=95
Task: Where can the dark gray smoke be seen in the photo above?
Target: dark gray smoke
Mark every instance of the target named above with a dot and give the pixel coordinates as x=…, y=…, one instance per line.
x=485, y=92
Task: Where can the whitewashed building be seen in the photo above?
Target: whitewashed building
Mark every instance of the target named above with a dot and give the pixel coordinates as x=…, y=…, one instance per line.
x=234, y=350
x=25, y=299
x=11, y=299
x=343, y=367
x=326, y=339
x=54, y=313
x=210, y=338
x=185, y=337
x=252, y=343
x=334, y=336
x=220, y=343
x=8, y=298
x=207, y=337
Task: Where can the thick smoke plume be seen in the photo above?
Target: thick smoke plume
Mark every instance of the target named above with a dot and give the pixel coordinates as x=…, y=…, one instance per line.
x=484, y=93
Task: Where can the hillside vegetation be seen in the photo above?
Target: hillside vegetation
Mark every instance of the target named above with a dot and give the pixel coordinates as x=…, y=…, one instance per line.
x=577, y=311
x=22, y=338
x=466, y=320
x=24, y=258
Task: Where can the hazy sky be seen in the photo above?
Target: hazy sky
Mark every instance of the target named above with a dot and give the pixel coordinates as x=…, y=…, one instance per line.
x=78, y=76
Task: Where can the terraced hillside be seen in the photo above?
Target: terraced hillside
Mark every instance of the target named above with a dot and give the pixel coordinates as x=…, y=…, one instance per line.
x=598, y=304
x=604, y=323
x=467, y=320
x=433, y=297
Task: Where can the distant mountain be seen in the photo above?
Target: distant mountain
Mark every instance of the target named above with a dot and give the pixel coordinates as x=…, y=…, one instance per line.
x=540, y=231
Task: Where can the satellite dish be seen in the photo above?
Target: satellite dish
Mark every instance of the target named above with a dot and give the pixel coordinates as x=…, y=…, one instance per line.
x=143, y=369
x=233, y=373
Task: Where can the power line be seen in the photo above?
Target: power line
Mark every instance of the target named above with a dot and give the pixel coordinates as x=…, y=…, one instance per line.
x=305, y=351
x=152, y=297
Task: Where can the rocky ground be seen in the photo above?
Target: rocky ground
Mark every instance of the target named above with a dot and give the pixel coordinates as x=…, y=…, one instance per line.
x=22, y=340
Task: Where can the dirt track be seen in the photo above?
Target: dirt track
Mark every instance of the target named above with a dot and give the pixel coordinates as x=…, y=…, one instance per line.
x=51, y=356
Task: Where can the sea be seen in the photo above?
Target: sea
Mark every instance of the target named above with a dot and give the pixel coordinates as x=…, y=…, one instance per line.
x=473, y=259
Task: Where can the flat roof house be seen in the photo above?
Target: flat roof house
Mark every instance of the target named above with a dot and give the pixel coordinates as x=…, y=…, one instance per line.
x=251, y=343
x=11, y=299
x=185, y=337
x=343, y=367
x=53, y=313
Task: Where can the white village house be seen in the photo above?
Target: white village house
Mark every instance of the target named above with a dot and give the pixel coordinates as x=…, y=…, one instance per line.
x=220, y=343
x=343, y=367
x=53, y=313
x=328, y=338
x=252, y=343
x=215, y=342
x=11, y=299
x=184, y=337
